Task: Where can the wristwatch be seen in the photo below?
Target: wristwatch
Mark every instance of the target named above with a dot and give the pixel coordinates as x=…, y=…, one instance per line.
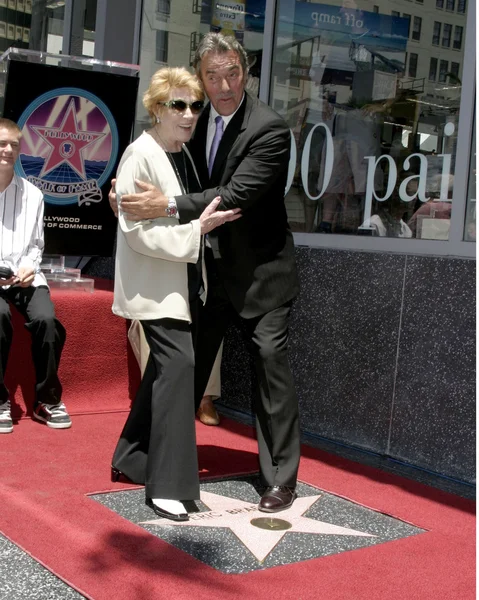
x=171, y=210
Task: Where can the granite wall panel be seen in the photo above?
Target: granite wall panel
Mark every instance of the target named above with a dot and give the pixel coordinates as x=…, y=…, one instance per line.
x=344, y=336
x=434, y=411
x=382, y=351
x=383, y=355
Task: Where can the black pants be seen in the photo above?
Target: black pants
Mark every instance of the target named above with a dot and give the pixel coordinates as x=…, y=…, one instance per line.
x=276, y=403
x=48, y=338
x=157, y=446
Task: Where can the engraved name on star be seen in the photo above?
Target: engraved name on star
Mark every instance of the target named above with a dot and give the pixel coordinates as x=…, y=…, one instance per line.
x=67, y=143
x=236, y=515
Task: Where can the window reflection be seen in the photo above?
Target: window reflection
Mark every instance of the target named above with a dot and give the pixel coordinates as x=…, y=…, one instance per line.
x=39, y=25
x=470, y=228
x=171, y=32
x=372, y=99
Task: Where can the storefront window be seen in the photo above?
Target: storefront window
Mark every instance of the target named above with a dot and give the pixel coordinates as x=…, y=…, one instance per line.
x=372, y=99
x=171, y=32
x=470, y=228
x=83, y=28
x=15, y=24
x=40, y=25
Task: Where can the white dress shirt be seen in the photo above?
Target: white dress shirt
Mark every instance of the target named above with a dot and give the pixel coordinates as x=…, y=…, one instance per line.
x=21, y=227
x=210, y=134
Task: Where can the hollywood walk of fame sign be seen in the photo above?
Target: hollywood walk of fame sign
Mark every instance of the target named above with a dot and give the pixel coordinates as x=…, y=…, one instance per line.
x=237, y=515
x=69, y=146
x=74, y=131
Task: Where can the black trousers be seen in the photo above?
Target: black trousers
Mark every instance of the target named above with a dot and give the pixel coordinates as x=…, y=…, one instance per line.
x=157, y=446
x=48, y=338
x=275, y=401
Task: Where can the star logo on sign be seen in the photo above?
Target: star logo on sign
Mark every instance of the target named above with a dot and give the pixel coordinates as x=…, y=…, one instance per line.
x=237, y=515
x=67, y=143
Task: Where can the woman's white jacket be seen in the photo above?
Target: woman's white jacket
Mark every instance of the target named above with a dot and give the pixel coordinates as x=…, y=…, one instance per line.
x=151, y=278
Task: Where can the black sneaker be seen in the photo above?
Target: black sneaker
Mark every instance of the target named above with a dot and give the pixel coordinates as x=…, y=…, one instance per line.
x=54, y=415
x=6, y=423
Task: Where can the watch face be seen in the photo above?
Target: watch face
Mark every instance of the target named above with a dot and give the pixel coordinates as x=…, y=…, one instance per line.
x=171, y=211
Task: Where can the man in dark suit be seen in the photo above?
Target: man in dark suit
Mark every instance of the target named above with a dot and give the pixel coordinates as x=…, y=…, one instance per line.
x=250, y=263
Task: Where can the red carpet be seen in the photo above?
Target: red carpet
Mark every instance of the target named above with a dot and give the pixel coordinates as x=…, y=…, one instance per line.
x=45, y=476
x=97, y=370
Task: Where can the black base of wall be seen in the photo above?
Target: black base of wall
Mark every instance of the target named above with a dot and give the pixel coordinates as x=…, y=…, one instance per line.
x=384, y=463
x=382, y=348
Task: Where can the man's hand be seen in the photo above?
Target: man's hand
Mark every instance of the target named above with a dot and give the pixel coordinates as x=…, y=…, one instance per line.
x=149, y=204
x=25, y=276
x=12, y=281
x=211, y=218
x=112, y=198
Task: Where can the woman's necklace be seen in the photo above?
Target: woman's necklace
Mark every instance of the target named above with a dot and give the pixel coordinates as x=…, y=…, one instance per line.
x=182, y=181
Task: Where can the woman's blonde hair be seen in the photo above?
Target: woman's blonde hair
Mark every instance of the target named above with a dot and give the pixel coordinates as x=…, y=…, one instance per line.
x=166, y=79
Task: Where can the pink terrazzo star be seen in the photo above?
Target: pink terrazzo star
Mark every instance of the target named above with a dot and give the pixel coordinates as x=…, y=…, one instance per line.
x=67, y=143
x=237, y=515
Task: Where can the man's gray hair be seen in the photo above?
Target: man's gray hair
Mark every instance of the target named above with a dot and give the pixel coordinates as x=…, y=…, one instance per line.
x=217, y=43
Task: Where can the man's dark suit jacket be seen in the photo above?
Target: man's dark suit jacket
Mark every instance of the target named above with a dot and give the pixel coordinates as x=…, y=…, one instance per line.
x=255, y=254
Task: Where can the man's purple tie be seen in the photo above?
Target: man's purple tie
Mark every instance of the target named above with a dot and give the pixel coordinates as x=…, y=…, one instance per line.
x=216, y=142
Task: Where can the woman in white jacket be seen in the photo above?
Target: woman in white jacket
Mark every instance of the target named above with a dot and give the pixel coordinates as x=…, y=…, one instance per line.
x=159, y=276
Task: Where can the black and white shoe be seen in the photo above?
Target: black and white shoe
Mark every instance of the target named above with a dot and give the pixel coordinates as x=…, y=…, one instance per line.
x=6, y=423
x=54, y=415
x=162, y=512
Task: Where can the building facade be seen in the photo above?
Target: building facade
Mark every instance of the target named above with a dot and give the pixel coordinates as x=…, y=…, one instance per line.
x=381, y=197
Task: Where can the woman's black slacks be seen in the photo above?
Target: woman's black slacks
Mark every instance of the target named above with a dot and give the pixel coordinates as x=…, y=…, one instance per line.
x=157, y=446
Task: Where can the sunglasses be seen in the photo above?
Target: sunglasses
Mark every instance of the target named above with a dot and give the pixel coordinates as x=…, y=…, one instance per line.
x=180, y=105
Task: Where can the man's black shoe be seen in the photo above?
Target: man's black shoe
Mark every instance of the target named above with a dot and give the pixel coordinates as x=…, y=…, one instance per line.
x=276, y=498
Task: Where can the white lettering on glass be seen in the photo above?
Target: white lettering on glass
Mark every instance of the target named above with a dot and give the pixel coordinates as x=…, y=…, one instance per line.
x=421, y=183
x=292, y=164
x=373, y=163
x=370, y=191
x=445, y=175
x=328, y=167
x=449, y=129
